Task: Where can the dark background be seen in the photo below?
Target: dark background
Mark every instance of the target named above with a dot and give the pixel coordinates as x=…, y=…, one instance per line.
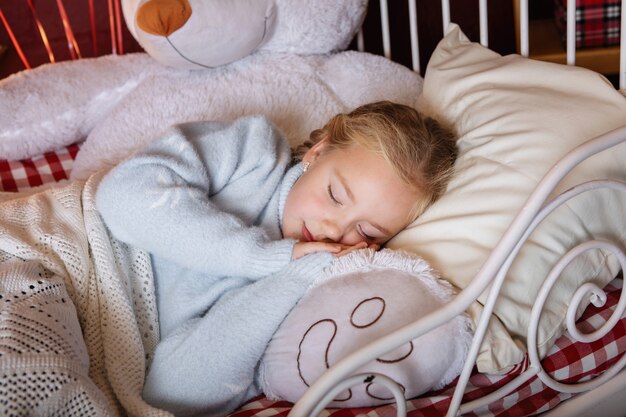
x=429, y=26
x=20, y=19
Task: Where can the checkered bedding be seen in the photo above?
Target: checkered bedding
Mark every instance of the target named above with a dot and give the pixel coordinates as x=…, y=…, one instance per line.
x=568, y=361
x=597, y=22
x=43, y=169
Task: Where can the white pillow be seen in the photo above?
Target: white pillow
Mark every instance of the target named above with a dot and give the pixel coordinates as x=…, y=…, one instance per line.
x=516, y=117
x=360, y=298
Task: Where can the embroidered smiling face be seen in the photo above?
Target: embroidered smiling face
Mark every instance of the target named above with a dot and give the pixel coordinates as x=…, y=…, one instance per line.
x=365, y=314
x=361, y=301
x=348, y=196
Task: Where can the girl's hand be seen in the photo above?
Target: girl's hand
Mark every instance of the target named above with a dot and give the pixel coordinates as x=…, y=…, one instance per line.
x=362, y=245
x=305, y=248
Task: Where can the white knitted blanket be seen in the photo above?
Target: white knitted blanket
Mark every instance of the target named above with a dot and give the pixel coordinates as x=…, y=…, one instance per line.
x=46, y=367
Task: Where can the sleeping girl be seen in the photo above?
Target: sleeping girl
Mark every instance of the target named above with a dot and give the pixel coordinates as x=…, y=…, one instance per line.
x=233, y=234
x=236, y=235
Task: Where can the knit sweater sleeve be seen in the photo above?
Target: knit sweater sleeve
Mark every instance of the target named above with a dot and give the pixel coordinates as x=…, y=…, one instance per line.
x=208, y=366
x=166, y=198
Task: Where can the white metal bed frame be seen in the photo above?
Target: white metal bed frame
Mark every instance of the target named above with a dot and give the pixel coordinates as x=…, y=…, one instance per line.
x=604, y=402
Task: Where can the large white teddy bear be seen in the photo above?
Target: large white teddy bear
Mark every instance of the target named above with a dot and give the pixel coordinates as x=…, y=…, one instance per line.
x=207, y=59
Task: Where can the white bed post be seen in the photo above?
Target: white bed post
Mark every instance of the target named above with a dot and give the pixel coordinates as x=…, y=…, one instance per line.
x=415, y=50
x=384, y=23
x=483, y=22
x=571, y=32
x=622, y=50
x=523, y=28
x=360, y=41
x=445, y=14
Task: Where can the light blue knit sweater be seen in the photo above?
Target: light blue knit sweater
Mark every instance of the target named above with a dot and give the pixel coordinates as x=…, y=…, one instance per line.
x=206, y=201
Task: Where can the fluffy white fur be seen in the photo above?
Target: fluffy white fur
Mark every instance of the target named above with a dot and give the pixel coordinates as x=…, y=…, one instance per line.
x=119, y=103
x=219, y=32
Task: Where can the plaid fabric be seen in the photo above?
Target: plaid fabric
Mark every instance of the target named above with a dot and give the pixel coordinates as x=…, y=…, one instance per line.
x=568, y=361
x=49, y=167
x=597, y=22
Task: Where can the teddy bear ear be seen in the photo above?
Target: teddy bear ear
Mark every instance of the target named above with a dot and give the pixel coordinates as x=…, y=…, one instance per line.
x=316, y=26
x=197, y=34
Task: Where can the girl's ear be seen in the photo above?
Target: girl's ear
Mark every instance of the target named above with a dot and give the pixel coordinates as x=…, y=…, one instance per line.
x=316, y=150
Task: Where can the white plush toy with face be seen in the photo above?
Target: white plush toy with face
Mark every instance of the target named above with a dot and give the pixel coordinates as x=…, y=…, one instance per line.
x=278, y=58
x=163, y=28
x=360, y=298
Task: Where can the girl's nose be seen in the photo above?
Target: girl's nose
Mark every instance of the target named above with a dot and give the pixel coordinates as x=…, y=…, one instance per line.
x=332, y=231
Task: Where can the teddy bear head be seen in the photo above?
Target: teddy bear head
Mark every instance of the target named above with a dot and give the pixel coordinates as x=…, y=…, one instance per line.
x=196, y=34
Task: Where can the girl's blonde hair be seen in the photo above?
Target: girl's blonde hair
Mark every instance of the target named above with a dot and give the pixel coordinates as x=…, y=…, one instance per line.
x=421, y=150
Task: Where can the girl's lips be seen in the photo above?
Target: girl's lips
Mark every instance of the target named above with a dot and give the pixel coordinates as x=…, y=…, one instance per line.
x=306, y=234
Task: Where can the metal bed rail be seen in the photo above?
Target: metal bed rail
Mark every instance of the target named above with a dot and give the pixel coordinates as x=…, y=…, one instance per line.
x=494, y=270
x=484, y=33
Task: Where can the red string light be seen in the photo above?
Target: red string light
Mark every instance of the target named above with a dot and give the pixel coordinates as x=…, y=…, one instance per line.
x=118, y=21
x=14, y=40
x=42, y=32
x=92, y=18
x=69, y=34
x=112, y=28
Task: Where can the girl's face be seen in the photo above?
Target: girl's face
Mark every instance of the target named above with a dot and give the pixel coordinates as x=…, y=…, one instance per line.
x=347, y=196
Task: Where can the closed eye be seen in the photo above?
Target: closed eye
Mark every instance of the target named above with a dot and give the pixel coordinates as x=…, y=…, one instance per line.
x=332, y=196
x=365, y=235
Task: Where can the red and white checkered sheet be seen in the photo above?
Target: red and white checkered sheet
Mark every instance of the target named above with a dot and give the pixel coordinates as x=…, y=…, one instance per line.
x=568, y=361
x=43, y=169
